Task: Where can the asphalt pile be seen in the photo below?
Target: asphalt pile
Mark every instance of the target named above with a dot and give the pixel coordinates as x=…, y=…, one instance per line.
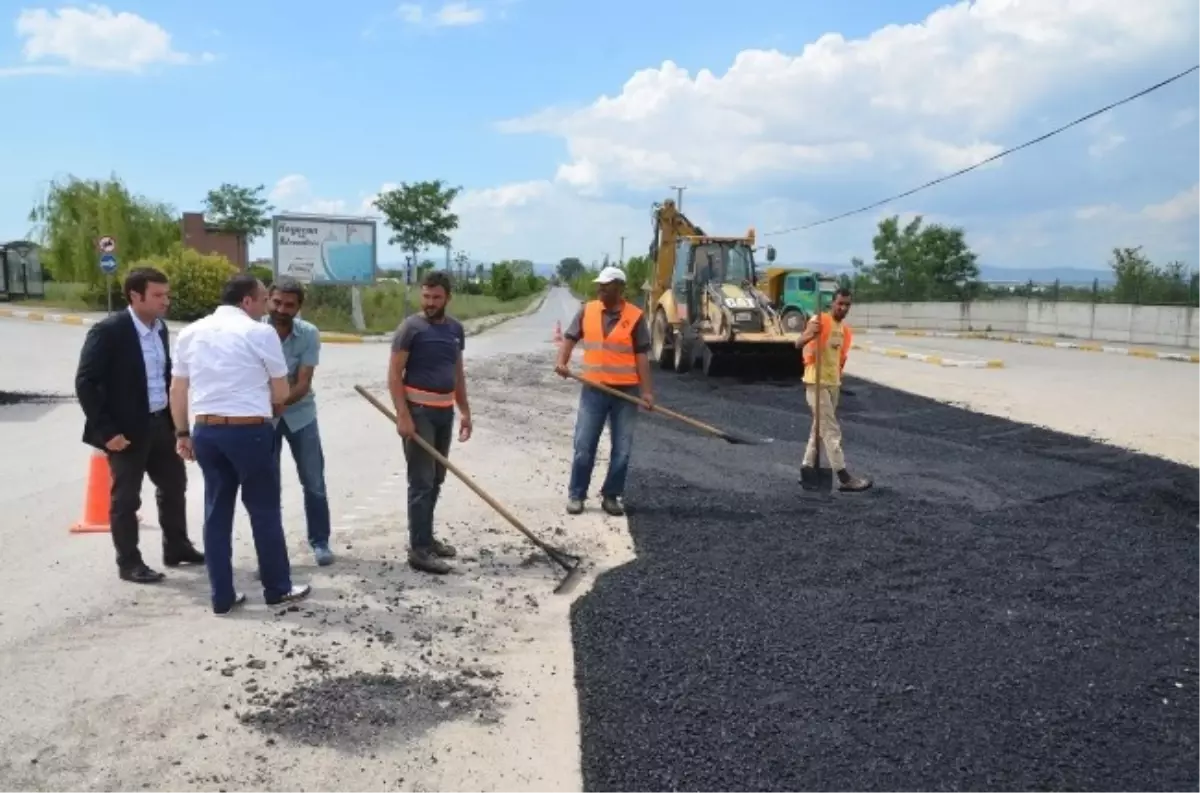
x=1009, y=608
x=359, y=710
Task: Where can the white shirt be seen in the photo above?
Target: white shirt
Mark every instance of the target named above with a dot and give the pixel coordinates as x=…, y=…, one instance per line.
x=229, y=360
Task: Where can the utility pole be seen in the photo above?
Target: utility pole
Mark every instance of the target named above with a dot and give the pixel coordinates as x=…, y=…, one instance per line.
x=679, y=196
x=622, y=251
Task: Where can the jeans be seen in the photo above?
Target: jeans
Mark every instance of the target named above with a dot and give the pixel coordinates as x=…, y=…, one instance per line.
x=425, y=475
x=233, y=456
x=595, y=407
x=305, y=444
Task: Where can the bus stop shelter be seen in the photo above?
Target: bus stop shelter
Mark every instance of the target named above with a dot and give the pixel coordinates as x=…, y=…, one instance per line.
x=21, y=271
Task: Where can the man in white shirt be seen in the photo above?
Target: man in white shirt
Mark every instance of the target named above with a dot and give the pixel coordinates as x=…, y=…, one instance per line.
x=232, y=366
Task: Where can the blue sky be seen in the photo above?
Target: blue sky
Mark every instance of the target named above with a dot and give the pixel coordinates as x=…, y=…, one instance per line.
x=564, y=121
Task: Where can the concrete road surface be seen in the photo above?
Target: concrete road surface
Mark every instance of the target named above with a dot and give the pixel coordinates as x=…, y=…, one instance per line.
x=110, y=685
x=1146, y=405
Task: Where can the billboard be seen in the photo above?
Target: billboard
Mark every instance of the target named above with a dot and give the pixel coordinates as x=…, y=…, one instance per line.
x=324, y=249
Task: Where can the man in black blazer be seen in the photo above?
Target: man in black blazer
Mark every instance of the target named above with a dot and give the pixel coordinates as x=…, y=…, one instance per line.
x=122, y=383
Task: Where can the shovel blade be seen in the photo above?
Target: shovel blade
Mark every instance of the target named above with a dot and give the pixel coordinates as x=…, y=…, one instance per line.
x=568, y=584
x=744, y=440
x=815, y=479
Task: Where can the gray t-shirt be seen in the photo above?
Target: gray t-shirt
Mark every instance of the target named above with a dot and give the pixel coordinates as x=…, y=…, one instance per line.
x=433, y=349
x=608, y=321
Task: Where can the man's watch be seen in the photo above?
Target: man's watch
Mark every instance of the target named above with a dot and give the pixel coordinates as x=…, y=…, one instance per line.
x=183, y=433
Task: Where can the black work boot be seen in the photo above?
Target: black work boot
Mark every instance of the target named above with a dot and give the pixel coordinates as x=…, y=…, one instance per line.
x=612, y=505
x=444, y=549
x=425, y=560
x=852, y=484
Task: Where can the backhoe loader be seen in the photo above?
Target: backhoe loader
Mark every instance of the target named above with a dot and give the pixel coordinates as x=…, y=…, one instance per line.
x=704, y=305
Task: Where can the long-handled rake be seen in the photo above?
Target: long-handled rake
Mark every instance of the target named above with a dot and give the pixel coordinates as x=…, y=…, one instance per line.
x=725, y=435
x=568, y=561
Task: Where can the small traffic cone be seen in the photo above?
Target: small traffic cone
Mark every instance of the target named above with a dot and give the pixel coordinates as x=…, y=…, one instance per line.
x=558, y=337
x=98, y=497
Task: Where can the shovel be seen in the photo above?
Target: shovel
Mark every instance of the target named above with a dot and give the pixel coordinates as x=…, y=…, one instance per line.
x=725, y=435
x=569, y=562
x=817, y=479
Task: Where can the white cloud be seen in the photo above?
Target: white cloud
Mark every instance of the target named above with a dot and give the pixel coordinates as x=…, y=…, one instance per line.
x=1106, y=144
x=1183, y=206
x=1183, y=117
x=95, y=38
x=780, y=140
x=454, y=14
x=936, y=96
x=294, y=193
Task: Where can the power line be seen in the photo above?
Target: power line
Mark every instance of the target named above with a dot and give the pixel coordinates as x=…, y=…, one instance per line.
x=993, y=158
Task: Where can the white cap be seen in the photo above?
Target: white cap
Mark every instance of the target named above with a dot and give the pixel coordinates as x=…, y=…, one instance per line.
x=610, y=274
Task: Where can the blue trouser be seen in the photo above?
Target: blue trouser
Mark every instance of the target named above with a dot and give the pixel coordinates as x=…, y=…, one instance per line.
x=596, y=407
x=233, y=456
x=305, y=444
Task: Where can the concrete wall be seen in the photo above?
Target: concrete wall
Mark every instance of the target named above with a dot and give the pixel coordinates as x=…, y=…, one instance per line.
x=1176, y=326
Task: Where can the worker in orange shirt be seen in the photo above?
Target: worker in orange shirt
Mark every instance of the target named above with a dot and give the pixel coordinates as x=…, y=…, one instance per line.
x=615, y=341
x=830, y=330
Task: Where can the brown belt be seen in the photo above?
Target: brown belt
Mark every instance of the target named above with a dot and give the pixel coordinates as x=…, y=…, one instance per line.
x=205, y=418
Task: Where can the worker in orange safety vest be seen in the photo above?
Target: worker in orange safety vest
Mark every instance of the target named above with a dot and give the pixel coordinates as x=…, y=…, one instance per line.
x=830, y=330
x=615, y=341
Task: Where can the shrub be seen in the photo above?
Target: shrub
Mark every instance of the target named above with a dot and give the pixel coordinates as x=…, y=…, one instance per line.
x=196, y=280
x=264, y=274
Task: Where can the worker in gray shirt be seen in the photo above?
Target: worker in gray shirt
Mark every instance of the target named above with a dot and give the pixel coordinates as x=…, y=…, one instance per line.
x=426, y=381
x=615, y=342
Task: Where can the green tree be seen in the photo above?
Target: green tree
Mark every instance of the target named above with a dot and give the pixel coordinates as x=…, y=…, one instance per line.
x=503, y=285
x=917, y=262
x=75, y=213
x=637, y=271
x=240, y=210
x=1139, y=280
x=425, y=266
x=569, y=268
x=419, y=215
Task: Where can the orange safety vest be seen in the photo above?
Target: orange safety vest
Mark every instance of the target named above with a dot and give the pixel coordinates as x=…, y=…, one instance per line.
x=826, y=330
x=431, y=399
x=609, y=360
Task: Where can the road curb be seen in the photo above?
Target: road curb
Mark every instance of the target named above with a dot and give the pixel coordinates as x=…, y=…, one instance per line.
x=934, y=360
x=328, y=337
x=1009, y=338
x=32, y=315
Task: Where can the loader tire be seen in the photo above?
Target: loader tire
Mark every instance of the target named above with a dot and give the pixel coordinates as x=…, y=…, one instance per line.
x=661, y=348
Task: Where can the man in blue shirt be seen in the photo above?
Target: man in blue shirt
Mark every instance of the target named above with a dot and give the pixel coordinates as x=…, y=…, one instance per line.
x=298, y=420
x=426, y=381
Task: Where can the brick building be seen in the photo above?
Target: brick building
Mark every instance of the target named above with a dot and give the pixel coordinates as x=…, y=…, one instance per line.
x=207, y=238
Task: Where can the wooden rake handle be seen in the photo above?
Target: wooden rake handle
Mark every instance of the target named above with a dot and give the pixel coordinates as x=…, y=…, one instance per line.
x=700, y=425
x=432, y=452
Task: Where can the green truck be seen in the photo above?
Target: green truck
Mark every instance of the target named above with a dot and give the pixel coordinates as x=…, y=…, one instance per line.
x=792, y=292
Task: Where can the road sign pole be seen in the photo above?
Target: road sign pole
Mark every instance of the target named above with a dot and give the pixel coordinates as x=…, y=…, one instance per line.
x=108, y=265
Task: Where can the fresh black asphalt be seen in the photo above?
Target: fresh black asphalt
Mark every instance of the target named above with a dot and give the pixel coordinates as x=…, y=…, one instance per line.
x=1009, y=608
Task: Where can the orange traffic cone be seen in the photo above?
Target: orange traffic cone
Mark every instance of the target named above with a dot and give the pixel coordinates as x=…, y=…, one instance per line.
x=97, y=498
x=558, y=337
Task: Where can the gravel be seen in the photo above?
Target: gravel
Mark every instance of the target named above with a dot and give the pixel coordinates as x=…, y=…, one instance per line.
x=1009, y=608
x=360, y=710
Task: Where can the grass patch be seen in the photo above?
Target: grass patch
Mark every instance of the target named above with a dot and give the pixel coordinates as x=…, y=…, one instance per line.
x=73, y=297
x=383, y=307
x=326, y=306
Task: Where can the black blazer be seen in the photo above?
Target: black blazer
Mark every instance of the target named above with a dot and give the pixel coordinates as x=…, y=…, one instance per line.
x=110, y=382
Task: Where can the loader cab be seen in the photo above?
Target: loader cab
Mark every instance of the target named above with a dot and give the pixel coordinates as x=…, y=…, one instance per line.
x=699, y=262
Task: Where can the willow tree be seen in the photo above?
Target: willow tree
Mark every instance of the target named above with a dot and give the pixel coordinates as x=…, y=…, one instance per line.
x=77, y=212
